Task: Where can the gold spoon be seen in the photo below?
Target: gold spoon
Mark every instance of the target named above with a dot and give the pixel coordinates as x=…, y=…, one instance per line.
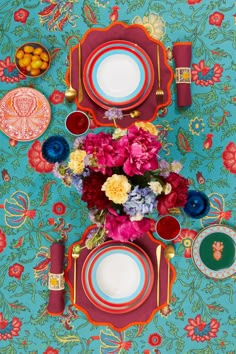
x=70, y=93
x=169, y=253
x=75, y=256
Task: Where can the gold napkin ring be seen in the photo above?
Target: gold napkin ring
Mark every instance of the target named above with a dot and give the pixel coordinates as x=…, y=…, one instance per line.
x=56, y=281
x=183, y=75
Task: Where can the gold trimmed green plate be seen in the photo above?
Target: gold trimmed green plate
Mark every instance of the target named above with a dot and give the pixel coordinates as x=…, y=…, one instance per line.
x=214, y=251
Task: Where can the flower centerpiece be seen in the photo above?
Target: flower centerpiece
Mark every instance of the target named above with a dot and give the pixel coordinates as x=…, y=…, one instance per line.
x=123, y=180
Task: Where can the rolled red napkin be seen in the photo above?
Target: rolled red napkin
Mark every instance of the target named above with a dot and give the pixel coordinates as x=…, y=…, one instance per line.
x=56, y=302
x=182, y=52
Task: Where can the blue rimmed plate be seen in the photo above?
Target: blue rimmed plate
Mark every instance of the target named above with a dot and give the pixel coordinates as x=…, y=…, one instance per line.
x=117, y=277
x=118, y=73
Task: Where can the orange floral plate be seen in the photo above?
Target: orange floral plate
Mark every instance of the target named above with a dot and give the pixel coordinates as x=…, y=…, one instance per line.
x=25, y=114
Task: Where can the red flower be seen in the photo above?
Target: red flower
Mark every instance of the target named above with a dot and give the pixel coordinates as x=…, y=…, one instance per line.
x=3, y=241
x=36, y=159
x=216, y=18
x=51, y=221
x=9, y=329
x=154, y=339
x=59, y=208
x=92, y=193
x=200, y=331
x=229, y=157
x=51, y=350
x=16, y=270
x=193, y=2
x=186, y=237
x=21, y=15
x=9, y=72
x=204, y=75
x=178, y=195
x=56, y=97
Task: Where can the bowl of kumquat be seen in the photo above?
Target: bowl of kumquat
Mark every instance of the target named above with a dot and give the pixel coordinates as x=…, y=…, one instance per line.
x=32, y=59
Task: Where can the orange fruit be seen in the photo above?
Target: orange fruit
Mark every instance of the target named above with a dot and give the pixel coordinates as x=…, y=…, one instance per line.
x=21, y=63
x=35, y=72
x=35, y=57
x=44, y=56
x=36, y=64
x=44, y=65
x=38, y=51
x=28, y=49
x=20, y=53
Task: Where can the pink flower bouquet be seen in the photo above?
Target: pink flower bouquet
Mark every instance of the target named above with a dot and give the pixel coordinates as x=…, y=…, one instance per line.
x=123, y=180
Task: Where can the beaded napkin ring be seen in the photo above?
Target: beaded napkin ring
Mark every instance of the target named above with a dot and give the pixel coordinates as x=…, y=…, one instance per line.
x=183, y=75
x=56, y=281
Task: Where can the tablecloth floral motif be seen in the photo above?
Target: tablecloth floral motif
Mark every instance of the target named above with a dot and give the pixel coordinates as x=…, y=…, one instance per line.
x=200, y=317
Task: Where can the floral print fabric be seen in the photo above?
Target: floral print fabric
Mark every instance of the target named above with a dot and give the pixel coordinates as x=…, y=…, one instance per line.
x=36, y=209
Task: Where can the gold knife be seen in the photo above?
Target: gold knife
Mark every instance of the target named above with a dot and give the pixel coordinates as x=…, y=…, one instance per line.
x=158, y=257
x=80, y=88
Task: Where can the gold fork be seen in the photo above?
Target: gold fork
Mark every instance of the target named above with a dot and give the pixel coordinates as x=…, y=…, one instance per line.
x=159, y=91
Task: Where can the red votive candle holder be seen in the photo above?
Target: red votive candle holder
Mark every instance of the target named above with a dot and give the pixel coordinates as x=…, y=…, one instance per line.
x=77, y=123
x=168, y=227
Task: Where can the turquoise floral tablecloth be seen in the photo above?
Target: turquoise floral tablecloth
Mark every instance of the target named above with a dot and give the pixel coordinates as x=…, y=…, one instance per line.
x=201, y=317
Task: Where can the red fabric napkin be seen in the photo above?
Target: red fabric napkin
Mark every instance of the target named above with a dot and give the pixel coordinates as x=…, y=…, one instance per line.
x=56, y=303
x=182, y=52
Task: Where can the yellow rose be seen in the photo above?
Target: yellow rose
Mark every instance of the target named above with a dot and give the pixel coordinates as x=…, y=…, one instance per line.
x=148, y=127
x=117, y=188
x=76, y=163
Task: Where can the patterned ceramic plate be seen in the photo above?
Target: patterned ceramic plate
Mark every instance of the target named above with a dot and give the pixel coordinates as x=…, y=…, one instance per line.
x=24, y=114
x=118, y=73
x=117, y=278
x=214, y=251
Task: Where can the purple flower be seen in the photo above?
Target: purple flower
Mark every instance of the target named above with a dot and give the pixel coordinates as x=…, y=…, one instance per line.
x=164, y=167
x=140, y=201
x=114, y=113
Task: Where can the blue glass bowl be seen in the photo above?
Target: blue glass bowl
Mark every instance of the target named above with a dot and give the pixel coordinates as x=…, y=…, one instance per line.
x=55, y=149
x=197, y=205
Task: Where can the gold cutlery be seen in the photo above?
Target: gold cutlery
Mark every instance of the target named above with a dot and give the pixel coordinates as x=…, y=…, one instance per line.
x=169, y=253
x=158, y=258
x=75, y=256
x=159, y=91
x=80, y=88
x=70, y=93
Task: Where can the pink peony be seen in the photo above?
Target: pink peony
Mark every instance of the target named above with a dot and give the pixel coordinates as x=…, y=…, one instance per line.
x=120, y=228
x=141, y=151
x=106, y=152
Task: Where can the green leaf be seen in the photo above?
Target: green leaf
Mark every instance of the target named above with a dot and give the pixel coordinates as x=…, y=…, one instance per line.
x=18, y=31
x=12, y=286
x=196, y=306
x=8, y=350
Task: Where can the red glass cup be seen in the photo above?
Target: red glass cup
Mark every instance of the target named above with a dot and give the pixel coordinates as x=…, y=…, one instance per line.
x=77, y=123
x=168, y=227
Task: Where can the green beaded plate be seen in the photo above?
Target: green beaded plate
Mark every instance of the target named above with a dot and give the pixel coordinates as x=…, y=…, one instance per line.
x=214, y=251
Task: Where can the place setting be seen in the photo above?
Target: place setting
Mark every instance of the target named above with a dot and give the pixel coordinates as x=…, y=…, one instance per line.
x=120, y=72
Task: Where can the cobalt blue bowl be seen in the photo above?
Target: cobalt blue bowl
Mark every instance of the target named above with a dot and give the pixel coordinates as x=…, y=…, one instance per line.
x=55, y=149
x=197, y=205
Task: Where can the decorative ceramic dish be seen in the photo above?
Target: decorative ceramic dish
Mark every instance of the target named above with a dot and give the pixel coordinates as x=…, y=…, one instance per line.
x=25, y=114
x=214, y=251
